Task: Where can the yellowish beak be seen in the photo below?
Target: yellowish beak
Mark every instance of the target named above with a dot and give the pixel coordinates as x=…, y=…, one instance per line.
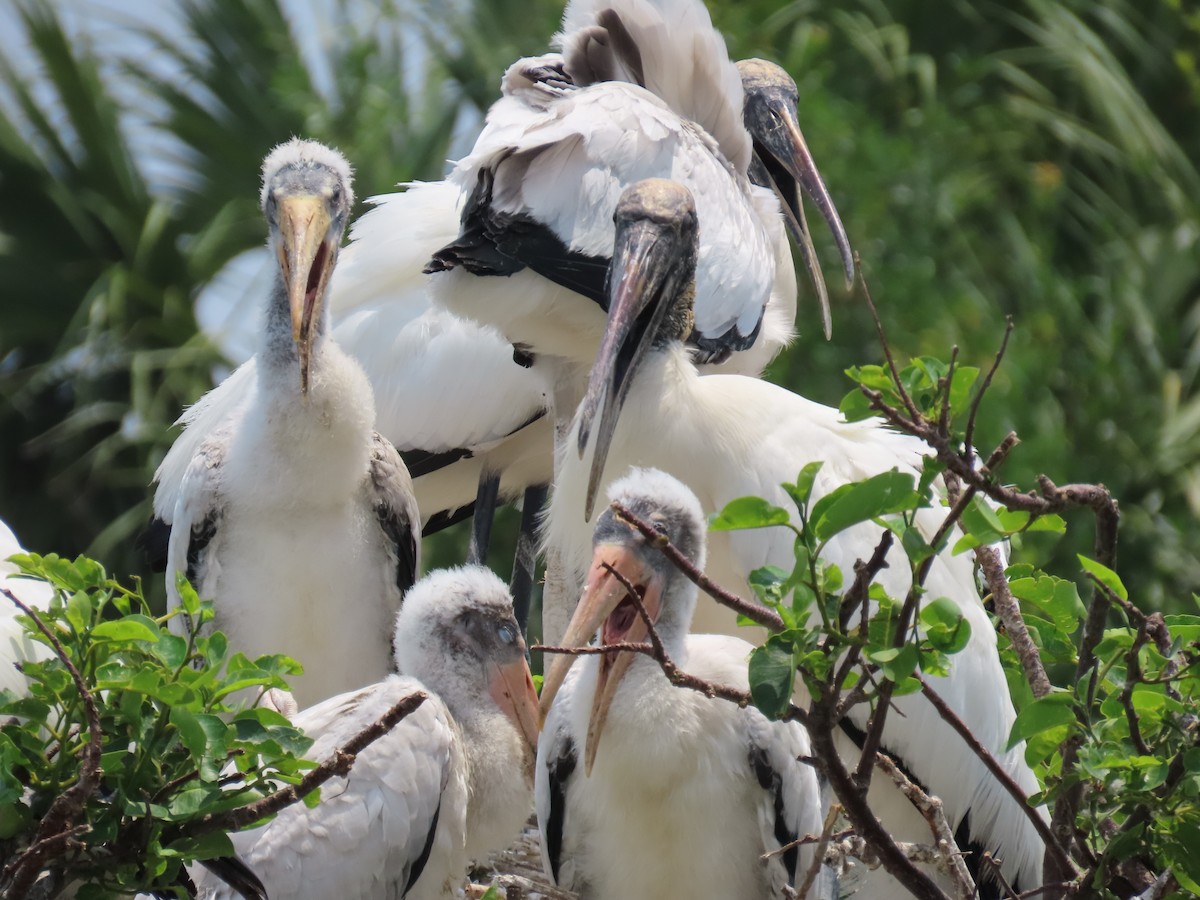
x=306, y=260
x=511, y=687
x=601, y=609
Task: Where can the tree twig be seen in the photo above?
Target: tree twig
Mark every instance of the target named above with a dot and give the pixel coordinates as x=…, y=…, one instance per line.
x=931, y=810
x=338, y=763
x=768, y=618
x=998, y=772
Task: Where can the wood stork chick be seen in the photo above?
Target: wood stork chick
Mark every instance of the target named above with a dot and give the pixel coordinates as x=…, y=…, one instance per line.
x=449, y=784
x=649, y=790
x=728, y=436
x=294, y=515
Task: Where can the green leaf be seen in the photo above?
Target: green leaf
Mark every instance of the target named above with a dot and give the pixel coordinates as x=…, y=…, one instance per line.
x=771, y=672
x=855, y=406
x=881, y=495
x=748, y=512
x=131, y=628
x=801, y=491
x=1105, y=576
x=1048, y=712
x=897, y=663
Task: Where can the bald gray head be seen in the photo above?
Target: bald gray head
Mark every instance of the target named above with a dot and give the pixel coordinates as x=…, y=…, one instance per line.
x=456, y=633
x=673, y=510
x=783, y=163
x=306, y=197
x=651, y=287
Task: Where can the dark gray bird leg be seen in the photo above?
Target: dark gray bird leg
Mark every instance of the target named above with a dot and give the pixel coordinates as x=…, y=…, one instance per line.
x=485, y=510
x=525, y=559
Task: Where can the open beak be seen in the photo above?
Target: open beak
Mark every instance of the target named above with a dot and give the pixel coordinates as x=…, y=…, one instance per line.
x=642, y=283
x=511, y=687
x=606, y=608
x=783, y=153
x=306, y=259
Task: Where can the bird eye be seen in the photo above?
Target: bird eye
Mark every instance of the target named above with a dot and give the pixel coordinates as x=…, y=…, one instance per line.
x=336, y=196
x=661, y=527
x=507, y=634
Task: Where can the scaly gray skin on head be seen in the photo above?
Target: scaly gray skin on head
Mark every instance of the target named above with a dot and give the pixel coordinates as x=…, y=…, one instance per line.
x=306, y=199
x=651, y=285
x=782, y=162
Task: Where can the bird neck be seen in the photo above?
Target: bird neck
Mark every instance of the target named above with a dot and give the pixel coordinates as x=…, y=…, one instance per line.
x=278, y=351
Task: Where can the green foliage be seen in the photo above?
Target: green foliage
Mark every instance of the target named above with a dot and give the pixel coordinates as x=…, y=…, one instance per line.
x=171, y=730
x=1113, y=742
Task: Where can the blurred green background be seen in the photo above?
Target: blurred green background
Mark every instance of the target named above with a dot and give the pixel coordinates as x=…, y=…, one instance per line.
x=1032, y=158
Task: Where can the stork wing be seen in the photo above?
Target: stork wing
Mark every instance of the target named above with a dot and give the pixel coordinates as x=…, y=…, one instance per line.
x=195, y=520
x=671, y=48
x=396, y=508
x=789, y=807
x=398, y=817
x=543, y=182
x=557, y=760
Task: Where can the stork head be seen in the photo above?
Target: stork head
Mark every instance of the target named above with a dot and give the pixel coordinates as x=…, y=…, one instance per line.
x=651, y=286
x=606, y=610
x=307, y=194
x=456, y=633
x=782, y=161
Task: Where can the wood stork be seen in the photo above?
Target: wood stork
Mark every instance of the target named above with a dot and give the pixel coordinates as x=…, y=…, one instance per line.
x=294, y=515
x=647, y=790
x=450, y=783
x=16, y=645
x=730, y=436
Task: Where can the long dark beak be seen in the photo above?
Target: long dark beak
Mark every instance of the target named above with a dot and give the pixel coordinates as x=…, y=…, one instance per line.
x=606, y=608
x=306, y=260
x=781, y=149
x=643, y=282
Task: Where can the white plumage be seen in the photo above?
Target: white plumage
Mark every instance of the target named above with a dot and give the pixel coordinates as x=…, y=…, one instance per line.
x=449, y=784
x=726, y=437
x=16, y=646
x=293, y=515
x=687, y=792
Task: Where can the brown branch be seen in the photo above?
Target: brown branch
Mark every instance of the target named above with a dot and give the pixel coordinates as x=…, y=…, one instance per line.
x=768, y=618
x=1009, y=613
x=987, y=863
x=993, y=766
x=338, y=763
x=977, y=400
x=853, y=798
x=819, y=855
x=887, y=348
x=56, y=832
x=931, y=810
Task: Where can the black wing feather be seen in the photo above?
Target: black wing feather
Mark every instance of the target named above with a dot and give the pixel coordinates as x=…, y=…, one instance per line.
x=396, y=510
x=560, y=771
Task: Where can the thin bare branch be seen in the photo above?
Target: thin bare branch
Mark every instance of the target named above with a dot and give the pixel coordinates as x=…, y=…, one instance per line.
x=931, y=810
x=819, y=856
x=997, y=771
x=338, y=763
x=969, y=439
x=769, y=619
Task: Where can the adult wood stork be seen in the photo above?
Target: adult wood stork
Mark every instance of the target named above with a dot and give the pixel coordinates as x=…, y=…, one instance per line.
x=449, y=784
x=16, y=645
x=294, y=515
x=730, y=436
x=648, y=790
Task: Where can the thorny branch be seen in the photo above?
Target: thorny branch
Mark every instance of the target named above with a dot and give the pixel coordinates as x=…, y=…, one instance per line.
x=57, y=832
